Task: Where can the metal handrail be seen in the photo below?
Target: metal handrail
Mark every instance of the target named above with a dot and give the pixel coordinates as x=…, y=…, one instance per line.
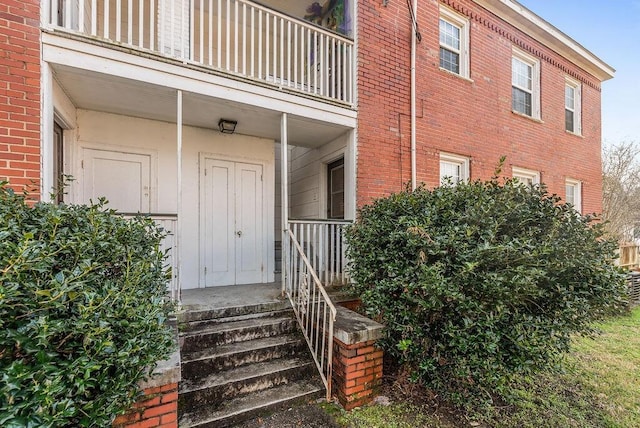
x=313, y=308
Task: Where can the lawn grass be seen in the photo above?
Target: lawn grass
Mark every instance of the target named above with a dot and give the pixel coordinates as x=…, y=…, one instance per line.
x=599, y=388
x=400, y=415
x=609, y=366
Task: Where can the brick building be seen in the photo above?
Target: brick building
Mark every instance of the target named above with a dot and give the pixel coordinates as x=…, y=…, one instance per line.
x=473, y=59
x=255, y=130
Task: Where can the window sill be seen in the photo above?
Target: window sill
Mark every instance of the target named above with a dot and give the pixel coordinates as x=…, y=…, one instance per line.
x=459, y=76
x=534, y=119
x=574, y=134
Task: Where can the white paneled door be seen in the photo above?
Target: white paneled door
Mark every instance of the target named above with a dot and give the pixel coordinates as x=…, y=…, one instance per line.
x=231, y=231
x=123, y=178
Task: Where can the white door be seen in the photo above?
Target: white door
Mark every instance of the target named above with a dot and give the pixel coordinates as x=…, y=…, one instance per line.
x=123, y=178
x=231, y=223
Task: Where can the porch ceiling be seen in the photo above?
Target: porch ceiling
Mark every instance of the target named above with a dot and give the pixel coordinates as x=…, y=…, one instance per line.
x=113, y=94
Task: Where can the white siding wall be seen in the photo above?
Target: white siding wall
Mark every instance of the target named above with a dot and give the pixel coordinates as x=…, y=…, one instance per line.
x=174, y=15
x=307, y=170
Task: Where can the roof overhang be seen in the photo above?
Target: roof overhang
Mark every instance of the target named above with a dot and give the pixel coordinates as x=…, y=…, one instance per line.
x=523, y=19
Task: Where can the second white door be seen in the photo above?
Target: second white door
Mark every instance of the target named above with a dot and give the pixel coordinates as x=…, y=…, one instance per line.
x=231, y=231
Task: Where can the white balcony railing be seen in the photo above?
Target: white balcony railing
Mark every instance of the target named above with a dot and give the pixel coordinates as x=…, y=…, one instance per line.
x=239, y=37
x=324, y=246
x=169, y=246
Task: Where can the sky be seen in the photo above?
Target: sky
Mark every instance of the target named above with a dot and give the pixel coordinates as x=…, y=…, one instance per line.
x=610, y=29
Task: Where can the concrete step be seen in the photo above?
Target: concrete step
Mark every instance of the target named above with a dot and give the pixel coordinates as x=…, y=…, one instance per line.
x=191, y=315
x=200, y=325
x=245, y=407
x=213, y=390
x=213, y=335
x=237, y=354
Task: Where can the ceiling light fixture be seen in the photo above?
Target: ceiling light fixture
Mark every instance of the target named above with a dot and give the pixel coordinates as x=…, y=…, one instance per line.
x=227, y=126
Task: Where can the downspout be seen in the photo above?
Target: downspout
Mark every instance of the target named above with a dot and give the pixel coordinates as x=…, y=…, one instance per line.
x=415, y=36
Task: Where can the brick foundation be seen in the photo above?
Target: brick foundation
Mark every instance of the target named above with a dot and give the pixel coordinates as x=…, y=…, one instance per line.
x=357, y=361
x=357, y=372
x=157, y=408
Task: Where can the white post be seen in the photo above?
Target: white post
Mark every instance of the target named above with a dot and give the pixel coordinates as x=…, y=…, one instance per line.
x=46, y=134
x=177, y=297
x=284, y=170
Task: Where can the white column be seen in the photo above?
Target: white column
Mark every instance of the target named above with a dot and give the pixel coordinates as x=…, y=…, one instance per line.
x=47, y=180
x=177, y=296
x=284, y=171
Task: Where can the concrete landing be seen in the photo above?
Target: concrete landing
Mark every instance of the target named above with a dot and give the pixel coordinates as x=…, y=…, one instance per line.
x=231, y=296
x=230, y=301
x=237, y=300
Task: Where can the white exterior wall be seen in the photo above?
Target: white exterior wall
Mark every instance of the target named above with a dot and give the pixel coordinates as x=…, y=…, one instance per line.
x=104, y=130
x=308, y=177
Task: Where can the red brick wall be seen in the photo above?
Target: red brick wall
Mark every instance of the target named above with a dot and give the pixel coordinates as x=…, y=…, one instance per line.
x=158, y=408
x=357, y=372
x=20, y=93
x=469, y=118
x=383, y=98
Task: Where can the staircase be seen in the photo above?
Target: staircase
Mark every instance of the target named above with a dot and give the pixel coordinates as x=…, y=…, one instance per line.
x=241, y=364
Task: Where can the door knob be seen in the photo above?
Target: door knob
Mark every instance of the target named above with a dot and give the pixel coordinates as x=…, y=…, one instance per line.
x=239, y=233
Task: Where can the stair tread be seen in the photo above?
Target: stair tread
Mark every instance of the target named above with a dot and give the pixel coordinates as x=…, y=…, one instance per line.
x=250, y=371
x=236, y=325
x=244, y=316
x=195, y=312
x=242, y=346
x=260, y=400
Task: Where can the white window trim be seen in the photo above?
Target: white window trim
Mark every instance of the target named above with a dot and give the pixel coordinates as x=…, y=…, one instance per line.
x=577, y=104
x=577, y=193
x=534, y=176
x=463, y=24
x=463, y=161
x=534, y=63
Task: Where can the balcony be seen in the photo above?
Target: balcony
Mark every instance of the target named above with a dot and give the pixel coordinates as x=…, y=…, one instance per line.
x=239, y=38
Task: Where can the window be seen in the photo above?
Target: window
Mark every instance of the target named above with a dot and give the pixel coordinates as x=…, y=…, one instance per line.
x=572, y=106
x=526, y=176
x=573, y=193
x=525, y=84
x=454, y=41
x=453, y=168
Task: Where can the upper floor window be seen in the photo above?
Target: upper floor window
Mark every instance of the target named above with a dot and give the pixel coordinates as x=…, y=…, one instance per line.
x=525, y=84
x=572, y=106
x=454, y=42
x=453, y=168
x=526, y=176
x=573, y=193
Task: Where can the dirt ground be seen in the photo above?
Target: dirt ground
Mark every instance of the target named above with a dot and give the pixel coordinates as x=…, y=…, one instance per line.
x=305, y=416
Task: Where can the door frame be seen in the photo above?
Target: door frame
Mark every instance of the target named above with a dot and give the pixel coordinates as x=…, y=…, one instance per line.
x=268, y=208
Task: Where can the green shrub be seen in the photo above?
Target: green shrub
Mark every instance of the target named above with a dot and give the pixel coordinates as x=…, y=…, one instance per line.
x=481, y=281
x=82, y=312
